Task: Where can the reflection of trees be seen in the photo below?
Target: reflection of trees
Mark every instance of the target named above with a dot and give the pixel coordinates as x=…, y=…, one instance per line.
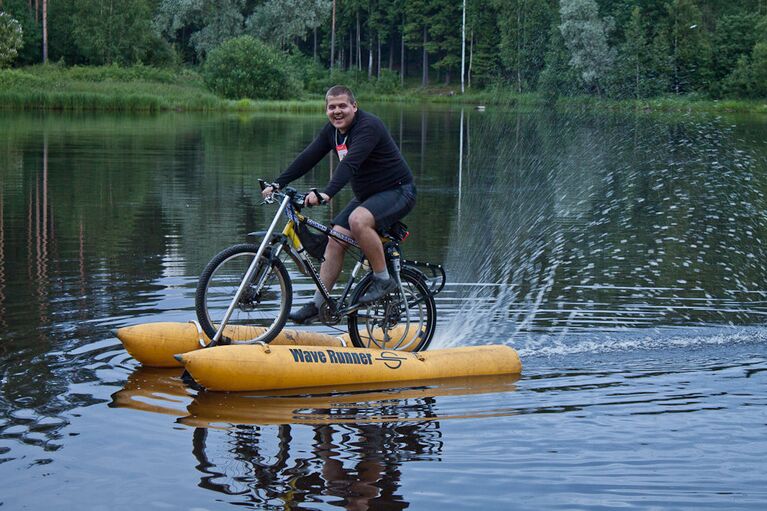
x=292, y=475
x=3, y=323
x=76, y=207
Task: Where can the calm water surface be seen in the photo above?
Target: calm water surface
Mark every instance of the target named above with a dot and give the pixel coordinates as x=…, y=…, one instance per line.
x=622, y=256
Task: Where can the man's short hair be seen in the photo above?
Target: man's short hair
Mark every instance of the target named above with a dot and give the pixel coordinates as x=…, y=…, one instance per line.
x=340, y=90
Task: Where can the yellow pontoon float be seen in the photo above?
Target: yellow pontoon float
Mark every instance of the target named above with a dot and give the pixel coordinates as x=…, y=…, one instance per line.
x=298, y=359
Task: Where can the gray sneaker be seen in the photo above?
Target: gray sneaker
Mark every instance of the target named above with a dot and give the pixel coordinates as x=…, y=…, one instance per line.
x=378, y=290
x=305, y=315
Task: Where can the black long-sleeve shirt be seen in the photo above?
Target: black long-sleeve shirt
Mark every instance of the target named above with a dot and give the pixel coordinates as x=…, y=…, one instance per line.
x=373, y=164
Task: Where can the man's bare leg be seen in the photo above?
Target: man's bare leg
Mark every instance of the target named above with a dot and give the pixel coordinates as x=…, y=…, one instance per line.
x=334, y=259
x=363, y=230
x=329, y=271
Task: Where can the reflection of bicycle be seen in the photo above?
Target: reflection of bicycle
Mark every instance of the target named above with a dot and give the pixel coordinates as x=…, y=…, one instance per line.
x=247, y=286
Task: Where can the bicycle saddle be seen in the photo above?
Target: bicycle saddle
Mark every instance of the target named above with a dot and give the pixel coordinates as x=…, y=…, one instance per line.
x=396, y=232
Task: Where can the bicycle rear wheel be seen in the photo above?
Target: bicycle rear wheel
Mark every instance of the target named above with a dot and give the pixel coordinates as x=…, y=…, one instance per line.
x=261, y=311
x=388, y=323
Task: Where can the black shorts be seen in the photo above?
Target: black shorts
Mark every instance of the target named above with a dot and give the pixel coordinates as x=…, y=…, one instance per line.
x=387, y=207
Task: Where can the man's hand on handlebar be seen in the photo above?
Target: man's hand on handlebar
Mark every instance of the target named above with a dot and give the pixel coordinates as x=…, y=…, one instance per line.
x=311, y=198
x=268, y=190
x=315, y=198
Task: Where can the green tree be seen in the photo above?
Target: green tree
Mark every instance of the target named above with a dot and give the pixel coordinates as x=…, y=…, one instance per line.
x=524, y=36
x=659, y=69
x=386, y=22
x=31, y=50
x=630, y=66
x=445, y=36
x=390, y=26
x=417, y=16
x=749, y=78
x=11, y=39
x=198, y=24
x=639, y=71
x=689, y=46
x=281, y=22
x=245, y=67
x=482, y=33
x=585, y=35
x=759, y=69
x=112, y=31
x=558, y=78
x=734, y=37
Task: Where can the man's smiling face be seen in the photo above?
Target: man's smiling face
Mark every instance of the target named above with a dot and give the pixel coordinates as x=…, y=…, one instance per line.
x=340, y=111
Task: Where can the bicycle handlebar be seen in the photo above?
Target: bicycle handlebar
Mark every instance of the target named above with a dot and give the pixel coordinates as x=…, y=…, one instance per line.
x=298, y=200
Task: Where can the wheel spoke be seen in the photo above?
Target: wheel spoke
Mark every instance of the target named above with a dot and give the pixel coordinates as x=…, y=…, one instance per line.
x=261, y=310
x=388, y=324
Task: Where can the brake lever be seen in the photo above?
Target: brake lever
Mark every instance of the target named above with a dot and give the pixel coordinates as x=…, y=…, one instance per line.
x=320, y=199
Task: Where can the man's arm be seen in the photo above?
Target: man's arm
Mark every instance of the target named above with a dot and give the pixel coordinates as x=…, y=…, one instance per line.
x=305, y=161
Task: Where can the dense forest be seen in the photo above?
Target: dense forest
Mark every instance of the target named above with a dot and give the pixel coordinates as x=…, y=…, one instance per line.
x=607, y=48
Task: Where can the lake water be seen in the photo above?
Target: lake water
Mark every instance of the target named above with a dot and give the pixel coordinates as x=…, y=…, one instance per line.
x=623, y=256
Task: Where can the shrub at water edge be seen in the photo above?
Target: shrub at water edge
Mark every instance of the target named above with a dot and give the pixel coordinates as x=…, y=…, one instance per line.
x=245, y=67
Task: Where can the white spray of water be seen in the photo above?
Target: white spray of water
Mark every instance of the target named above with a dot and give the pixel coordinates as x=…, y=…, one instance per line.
x=572, y=226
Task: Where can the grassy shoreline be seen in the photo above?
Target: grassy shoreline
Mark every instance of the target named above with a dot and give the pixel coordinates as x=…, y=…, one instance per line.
x=145, y=89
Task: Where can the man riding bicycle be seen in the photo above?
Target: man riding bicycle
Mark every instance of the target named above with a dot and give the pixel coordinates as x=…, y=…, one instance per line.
x=381, y=180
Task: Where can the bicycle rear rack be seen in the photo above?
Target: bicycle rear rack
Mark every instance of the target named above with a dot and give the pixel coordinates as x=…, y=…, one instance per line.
x=434, y=274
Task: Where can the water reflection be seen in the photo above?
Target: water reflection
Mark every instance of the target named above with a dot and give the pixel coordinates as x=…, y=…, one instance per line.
x=352, y=466
x=344, y=446
x=164, y=391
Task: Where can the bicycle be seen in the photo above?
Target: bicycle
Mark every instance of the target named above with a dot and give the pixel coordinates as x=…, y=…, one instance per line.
x=247, y=286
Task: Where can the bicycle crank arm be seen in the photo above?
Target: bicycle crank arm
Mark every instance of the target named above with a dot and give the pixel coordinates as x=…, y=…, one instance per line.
x=350, y=309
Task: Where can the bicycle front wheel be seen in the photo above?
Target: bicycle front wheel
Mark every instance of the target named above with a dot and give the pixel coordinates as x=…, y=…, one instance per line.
x=392, y=323
x=262, y=309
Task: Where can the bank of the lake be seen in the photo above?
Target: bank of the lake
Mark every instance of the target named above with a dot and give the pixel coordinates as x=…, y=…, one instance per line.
x=142, y=88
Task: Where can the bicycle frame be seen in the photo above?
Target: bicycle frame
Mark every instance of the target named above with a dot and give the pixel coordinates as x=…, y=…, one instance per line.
x=289, y=238
x=297, y=252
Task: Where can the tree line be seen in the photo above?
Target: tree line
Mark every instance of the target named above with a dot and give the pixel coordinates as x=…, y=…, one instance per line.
x=607, y=48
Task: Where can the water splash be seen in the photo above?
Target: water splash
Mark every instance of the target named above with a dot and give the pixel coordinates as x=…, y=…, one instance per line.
x=584, y=224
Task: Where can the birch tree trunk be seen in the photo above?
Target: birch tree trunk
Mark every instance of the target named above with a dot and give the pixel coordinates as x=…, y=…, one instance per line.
x=359, y=43
x=370, y=55
x=425, y=60
x=463, y=52
x=45, y=31
x=402, y=55
x=333, y=36
x=471, y=55
x=519, y=48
